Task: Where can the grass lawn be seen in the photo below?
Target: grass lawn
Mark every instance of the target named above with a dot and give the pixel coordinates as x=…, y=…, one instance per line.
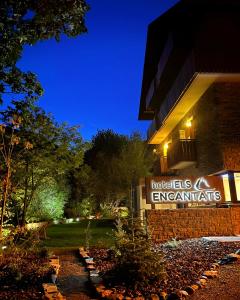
x=70, y=236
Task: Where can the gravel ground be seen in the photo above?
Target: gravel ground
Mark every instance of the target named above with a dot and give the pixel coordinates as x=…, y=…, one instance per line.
x=185, y=262
x=225, y=287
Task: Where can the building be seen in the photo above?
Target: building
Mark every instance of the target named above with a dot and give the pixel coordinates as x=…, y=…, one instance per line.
x=191, y=94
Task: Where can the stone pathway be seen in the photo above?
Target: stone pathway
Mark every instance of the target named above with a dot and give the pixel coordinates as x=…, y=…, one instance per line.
x=72, y=278
x=222, y=239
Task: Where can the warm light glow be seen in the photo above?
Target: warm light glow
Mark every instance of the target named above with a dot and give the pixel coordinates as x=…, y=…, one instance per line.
x=165, y=148
x=225, y=178
x=237, y=184
x=189, y=122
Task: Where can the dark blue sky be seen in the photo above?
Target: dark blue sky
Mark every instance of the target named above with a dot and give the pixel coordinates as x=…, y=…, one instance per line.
x=95, y=79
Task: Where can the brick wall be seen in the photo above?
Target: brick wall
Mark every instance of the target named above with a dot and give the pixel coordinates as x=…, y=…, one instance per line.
x=216, y=119
x=193, y=223
x=228, y=98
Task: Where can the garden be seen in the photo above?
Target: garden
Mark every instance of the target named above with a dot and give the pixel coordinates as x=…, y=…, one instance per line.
x=60, y=193
x=127, y=264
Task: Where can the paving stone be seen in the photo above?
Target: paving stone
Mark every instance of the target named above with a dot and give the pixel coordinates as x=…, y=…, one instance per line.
x=73, y=279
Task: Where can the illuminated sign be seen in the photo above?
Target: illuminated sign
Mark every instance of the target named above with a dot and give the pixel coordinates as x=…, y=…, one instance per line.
x=184, y=190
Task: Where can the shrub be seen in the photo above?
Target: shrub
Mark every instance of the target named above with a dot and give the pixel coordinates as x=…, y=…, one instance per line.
x=136, y=263
x=20, y=268
x=48, y=202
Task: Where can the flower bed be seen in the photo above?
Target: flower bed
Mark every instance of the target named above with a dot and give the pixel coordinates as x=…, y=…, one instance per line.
x=185, y=264
x=22, y=274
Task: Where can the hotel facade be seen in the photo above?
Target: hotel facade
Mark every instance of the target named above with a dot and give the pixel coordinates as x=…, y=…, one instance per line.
x=191, y=95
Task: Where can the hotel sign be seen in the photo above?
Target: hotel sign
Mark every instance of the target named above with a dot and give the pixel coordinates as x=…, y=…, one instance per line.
x=184, y=190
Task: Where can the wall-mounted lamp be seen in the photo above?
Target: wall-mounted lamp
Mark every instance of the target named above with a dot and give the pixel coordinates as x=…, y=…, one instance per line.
x=165, y=149
x=165, y=146
x=189, y=122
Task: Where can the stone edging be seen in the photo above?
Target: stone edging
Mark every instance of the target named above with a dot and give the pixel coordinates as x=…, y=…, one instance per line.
x=50, y=289
x=106, y=293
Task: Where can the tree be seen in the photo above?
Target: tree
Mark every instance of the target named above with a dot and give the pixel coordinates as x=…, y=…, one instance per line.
x=55, y=150
x=137, y=265
x=48, y=201
x=9, y=140
x=117, y=163
x=25, y=22
x=106, y=143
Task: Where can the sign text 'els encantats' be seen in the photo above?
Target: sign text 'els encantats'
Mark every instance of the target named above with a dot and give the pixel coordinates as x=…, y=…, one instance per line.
x=184, y=190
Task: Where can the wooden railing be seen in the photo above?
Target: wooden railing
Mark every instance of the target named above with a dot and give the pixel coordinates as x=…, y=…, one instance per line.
x=181, y=153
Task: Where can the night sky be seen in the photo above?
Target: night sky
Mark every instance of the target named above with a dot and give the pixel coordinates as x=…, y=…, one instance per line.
x=94, y=80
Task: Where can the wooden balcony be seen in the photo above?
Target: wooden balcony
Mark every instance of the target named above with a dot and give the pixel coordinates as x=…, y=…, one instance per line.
x=182, y=154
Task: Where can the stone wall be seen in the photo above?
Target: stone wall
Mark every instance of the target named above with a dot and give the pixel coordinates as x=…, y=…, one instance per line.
x=228, y=98
x=193, y=223
x=216, y=122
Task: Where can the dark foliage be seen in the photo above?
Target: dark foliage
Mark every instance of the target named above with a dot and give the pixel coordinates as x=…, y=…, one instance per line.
x=136, y=265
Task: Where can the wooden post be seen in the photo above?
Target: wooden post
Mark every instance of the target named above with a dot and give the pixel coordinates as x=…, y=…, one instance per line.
x=232, y=187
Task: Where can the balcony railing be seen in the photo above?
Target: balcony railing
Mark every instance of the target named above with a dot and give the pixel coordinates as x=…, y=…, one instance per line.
x=182, y=154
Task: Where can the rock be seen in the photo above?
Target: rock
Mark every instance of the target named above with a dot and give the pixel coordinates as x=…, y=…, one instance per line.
x=54, y=278
x=94, y=273
x=90, y=268
x=183, y=294
x=106, y=293
x=210, y=274
x=54, y=260
x=216, y=265
x=189, y=290
x=162, y=296
x=173, y=296
x=203, y=281
x=194, y=287
x=198, y=283
x=100, y=288
x=224, y=261
x=112, y=296
x=89, y=260
x=120, y=296
x=233, y=257
x=154, y=297
x=49, y=287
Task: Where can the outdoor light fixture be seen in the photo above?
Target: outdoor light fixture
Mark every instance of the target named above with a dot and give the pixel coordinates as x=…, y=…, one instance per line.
x=165, y=149
x=165, y=146
x=189, y=122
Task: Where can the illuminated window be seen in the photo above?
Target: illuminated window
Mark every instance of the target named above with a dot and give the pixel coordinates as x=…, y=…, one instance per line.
x=226, y=187
x=237, y=183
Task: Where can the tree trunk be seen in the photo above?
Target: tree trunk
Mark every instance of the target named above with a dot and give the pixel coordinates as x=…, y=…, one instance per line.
x=5, y=197
x=25, y=199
